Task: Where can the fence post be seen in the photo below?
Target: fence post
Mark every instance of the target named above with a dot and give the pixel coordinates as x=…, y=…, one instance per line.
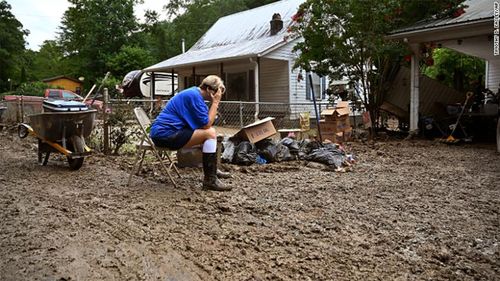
x=22, y=108
x=105, y=121
x=18, y=111
x=241, y=114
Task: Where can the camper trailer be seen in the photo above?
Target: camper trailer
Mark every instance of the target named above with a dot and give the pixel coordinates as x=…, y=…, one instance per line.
x=138, y=84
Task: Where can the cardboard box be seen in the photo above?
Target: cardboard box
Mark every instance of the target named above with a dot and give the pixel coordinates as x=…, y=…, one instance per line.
x=344, y=123
x=341, y=110
x=340, y=124
x=329, y=136
x=337, y=137
x=257, y=131
x=328, y=126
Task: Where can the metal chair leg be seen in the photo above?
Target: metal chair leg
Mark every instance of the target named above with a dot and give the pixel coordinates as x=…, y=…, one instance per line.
x=133, y=171
x=165, y=167
x=142, y=160
x=172, y=164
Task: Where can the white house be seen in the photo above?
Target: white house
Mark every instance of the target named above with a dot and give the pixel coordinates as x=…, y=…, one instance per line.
x=252, y=52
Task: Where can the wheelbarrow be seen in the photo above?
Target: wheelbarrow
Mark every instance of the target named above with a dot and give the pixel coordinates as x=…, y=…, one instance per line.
x=63, y=132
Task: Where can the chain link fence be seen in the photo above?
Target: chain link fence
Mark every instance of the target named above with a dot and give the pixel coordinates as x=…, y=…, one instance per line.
x=122, y=130
x=232, y=115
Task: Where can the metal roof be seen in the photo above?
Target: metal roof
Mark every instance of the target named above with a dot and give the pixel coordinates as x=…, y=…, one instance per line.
x=61, y=77
x=240, y=35
x=477, y=10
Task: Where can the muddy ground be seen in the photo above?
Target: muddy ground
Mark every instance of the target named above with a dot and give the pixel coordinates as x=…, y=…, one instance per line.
x=408, y=210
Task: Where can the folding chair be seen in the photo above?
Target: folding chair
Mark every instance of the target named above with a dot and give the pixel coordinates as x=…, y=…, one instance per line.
x=146, y=144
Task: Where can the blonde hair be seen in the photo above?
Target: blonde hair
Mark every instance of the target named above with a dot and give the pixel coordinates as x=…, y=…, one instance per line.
x=213, y=82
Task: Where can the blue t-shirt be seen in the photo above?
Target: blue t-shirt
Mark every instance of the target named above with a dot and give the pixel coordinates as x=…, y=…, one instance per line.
x=187, y=109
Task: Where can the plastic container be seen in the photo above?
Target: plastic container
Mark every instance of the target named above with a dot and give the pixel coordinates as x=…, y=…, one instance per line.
x=190, y=157
x=63, y=106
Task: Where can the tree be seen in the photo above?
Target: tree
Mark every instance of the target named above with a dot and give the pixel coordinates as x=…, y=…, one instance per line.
x=454, y=69
x=11, y=45
x=47, y=62
x=94, y=30
x=154, y=36
x=345, y=38
x=190, y=20
x=129, y=58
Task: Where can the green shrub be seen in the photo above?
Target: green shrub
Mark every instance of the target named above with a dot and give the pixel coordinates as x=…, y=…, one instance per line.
x=31, y=89
x=120, y=130
x=111, y=84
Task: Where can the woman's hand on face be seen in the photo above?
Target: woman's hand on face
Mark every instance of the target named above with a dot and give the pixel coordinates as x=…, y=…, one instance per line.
x=216, y=95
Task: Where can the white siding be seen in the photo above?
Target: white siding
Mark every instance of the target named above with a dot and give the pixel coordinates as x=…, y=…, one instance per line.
x=298, y=94
x=493, y=75
x=274, y=81
x=284, y=52
x=297, y=87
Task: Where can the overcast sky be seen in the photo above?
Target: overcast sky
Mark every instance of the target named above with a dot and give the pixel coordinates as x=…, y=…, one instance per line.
x=43, y=17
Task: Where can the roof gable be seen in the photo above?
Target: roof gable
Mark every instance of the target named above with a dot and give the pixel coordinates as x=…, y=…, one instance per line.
x=247, y=25
x=243, y=34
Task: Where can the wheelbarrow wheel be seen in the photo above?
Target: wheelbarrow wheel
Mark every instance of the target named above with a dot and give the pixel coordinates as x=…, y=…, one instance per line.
x=79, y=147
x=498, y=135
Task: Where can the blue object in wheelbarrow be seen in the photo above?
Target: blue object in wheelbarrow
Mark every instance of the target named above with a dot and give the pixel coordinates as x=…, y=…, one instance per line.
x=63, y=106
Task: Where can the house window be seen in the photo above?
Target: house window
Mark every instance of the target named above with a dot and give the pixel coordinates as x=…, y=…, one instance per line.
x=237, y=86
x=190, y=82
x=318, y=85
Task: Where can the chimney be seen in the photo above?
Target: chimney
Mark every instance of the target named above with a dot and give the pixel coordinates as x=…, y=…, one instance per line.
x=276, y=24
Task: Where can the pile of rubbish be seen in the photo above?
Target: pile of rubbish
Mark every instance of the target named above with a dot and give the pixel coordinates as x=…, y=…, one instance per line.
x=287, y=149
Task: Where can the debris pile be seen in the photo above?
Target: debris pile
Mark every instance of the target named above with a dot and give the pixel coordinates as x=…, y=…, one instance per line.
x=243, y=152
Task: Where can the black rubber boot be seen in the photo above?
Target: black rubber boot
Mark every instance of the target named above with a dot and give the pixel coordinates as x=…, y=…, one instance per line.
x=221, y=174
x=210, y=180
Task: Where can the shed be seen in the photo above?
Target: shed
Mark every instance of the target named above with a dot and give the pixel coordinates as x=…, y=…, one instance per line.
x=252, y=52
x=64, y=82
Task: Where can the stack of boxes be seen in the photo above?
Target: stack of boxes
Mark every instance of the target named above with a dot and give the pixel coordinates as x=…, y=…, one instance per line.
x=335, y=125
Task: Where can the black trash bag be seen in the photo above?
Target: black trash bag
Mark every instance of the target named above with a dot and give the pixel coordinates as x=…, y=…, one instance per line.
x=228, y=151
x=306, y=147
x=245, y=154
x=273, y=152
x=326, y=156
x=332, y=147
x=284, y=153
x=292, y=145
x=267, y=149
